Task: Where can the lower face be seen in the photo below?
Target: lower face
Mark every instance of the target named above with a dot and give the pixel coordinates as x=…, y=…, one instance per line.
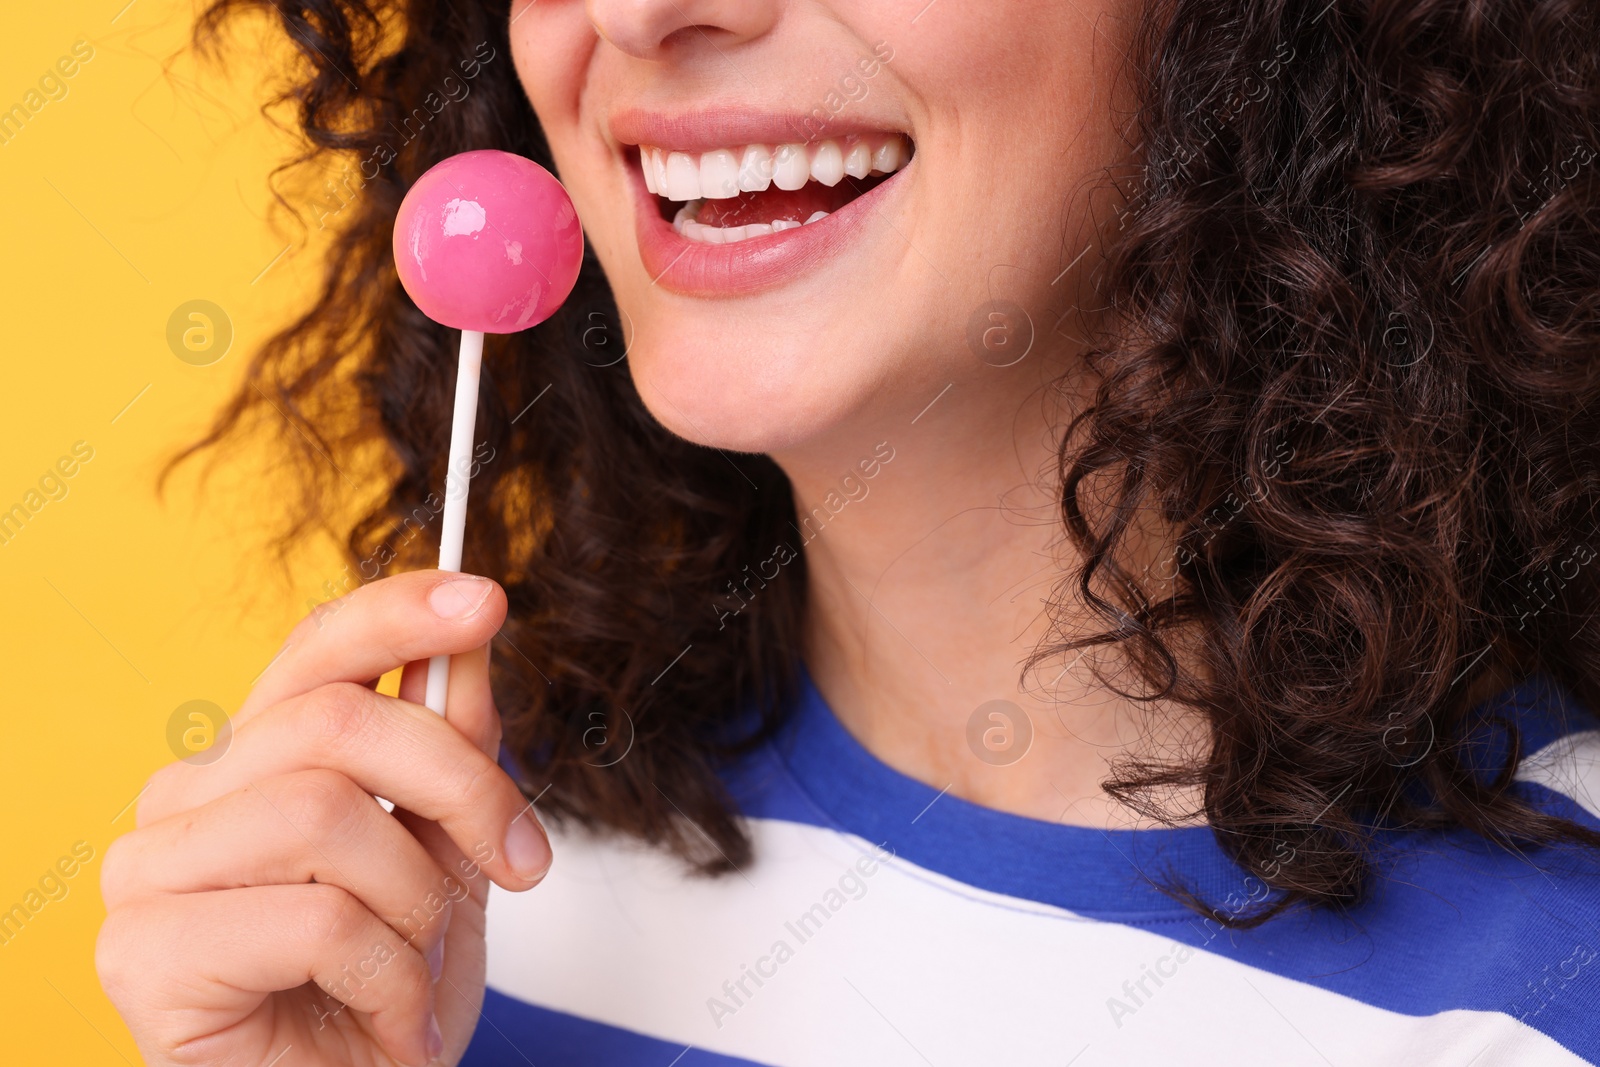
x=803, y=207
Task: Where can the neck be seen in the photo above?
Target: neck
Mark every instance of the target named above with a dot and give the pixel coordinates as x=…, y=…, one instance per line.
x=933, y=542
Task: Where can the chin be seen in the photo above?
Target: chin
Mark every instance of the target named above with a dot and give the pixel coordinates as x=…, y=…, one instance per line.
x=723, y=393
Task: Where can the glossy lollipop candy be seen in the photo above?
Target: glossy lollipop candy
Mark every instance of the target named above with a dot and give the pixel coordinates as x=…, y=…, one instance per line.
x=486, y=242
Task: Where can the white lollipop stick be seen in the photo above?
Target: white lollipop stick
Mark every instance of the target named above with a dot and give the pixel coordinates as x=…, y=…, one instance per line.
x=484, y=242
x=457, y=477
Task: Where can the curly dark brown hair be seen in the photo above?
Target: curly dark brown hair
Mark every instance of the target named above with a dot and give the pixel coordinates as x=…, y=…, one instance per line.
x=1354, y=363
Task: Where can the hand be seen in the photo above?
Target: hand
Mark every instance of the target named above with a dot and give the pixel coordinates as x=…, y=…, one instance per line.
x=267, y=900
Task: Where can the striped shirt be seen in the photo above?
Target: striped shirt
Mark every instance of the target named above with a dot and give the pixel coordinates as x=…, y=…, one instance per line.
x=884, y=923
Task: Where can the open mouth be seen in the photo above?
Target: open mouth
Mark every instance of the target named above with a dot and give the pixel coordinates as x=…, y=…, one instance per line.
x=744, y=192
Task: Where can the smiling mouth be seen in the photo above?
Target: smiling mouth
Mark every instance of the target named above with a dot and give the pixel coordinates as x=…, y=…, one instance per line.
x=734, y=194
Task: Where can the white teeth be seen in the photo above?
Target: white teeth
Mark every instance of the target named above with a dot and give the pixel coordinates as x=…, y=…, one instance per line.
x=724, y=173
x=683, y=177
x=716, y=235
x=686, y=223
x=790, y=167
x=857, y=161
x=755, y=168
x=827, y=165
x=719, y=175
x=889, y=157
x=658, y=162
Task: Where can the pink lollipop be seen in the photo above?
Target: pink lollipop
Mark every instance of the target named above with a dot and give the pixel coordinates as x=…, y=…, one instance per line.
x=486, y=242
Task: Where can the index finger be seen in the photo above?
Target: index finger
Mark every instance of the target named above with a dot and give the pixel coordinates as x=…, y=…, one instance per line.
x=378, y=628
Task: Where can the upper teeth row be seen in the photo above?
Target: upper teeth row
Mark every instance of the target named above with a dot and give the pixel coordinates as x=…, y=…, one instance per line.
x=726, y=172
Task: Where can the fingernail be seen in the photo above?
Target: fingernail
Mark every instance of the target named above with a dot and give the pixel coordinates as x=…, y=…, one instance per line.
x=435, y=1038
x=526, y=849
x=435, y=958
x=435, y=955
x=459, y=597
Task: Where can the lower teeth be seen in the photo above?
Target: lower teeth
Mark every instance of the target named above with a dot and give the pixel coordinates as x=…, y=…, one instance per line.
x=684, y=222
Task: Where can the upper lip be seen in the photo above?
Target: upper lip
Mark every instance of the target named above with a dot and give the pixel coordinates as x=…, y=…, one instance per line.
x=730, y=125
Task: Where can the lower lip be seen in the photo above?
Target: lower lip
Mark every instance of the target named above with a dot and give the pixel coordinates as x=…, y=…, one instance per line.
x=694, y=268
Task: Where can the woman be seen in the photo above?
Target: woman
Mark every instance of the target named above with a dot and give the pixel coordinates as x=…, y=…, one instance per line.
x=1086, y=558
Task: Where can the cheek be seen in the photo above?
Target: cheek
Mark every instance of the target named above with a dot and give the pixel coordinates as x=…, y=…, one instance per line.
x=551, y=46
x=1022, y=101
x=553, y=50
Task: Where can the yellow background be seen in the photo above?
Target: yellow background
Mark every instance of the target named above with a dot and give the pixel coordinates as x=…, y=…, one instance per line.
x=143, y=188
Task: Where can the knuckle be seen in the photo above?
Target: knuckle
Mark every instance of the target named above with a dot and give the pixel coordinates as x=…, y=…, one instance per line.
x=329, y=915
x=479, y=784
x=339, y=711
x=321, y=803
x=412, y=977
x=157, y=798
x=115, y=953
x=117, y=872
x=397, y=652
x=201, y=1053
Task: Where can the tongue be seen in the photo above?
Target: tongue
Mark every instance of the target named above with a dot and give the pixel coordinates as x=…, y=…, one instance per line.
x=771, y=204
